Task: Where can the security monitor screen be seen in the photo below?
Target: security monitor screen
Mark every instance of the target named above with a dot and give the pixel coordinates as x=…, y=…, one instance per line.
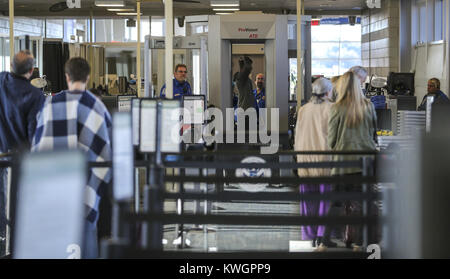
x=195, y=106
x=148, y=126
x=135, y=104
x=124, y=103
x=123, y=157
x=50, y=206
x=170, y=134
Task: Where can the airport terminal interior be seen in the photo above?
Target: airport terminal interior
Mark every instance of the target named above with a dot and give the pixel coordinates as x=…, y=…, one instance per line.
x=293, y=129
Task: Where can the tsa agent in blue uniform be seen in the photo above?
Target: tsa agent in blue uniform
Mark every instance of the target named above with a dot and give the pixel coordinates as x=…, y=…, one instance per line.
x=434, y=89
x=260, y=92
x=180, y=86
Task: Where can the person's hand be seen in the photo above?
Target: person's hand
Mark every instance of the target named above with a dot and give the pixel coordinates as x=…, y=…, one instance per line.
x=241, y=62
x=248, y=60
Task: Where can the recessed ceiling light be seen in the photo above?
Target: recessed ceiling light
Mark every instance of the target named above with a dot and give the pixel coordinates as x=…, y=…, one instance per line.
x=226, y=9
x=109, y=3
x=121, y=10
x=224, y=5
x=127, y=14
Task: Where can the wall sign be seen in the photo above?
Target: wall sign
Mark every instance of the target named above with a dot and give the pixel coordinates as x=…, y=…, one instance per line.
x=248, y=27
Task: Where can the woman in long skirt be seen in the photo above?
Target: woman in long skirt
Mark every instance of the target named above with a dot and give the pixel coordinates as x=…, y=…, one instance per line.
x=311, y=135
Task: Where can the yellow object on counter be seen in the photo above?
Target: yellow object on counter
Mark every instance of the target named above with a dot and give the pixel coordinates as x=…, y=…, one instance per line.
x=385, y=133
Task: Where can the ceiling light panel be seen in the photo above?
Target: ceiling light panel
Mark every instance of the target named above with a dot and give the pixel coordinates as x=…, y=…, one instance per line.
x=121, y=10
x=226, y=9
x=224, y=3
x=109, y=3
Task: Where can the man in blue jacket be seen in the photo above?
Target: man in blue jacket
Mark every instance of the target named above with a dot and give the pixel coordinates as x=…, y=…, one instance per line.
x=260, y=92
x=180, y=86
x=19, y=104
x=434, y=89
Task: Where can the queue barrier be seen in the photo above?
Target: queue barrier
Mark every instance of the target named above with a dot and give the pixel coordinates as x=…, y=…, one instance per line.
x=153, y=218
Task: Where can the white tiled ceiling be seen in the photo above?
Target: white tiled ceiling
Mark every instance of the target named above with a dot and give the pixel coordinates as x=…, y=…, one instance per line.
x=190, y=7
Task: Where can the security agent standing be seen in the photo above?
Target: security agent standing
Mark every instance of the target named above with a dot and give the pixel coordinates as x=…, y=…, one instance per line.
x=260, y=92
x=434, y=90
x=180, y=86
x=19, y=105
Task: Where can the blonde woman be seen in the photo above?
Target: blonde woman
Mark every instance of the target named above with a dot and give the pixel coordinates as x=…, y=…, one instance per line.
x=334, y=81
x=311, y=135
x=351, y=127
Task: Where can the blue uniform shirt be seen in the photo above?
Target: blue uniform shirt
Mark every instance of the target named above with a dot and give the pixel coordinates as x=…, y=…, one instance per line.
x=260, y=98
x=179, y=90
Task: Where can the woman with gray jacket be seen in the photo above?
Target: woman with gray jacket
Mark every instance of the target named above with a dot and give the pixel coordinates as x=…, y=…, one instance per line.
x=351, y=127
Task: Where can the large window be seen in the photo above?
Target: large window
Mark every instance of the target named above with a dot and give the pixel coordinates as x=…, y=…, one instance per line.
x=335, y=48
x=429, y=20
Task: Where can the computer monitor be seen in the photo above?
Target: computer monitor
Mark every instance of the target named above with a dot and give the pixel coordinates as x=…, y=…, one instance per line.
x=135, y=111
x=170, y=134
x=124, y=102
x=401, y=84
x=123, y=188
x=147, y=125
x=195, y=106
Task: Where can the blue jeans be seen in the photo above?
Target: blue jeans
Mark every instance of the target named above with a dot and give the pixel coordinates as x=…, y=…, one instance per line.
x=90, y=249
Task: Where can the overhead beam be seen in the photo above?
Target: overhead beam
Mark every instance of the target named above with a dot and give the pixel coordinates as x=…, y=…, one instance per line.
x=103, y=14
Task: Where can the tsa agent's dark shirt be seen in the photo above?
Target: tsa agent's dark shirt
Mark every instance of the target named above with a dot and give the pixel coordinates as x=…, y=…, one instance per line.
x=440, y=98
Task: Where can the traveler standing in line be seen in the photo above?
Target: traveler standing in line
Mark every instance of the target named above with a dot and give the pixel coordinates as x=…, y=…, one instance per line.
x=77, y=119
x=334, y=81
x=19, y=104
x=351, y=127
x=360, y=72
x=311, y=135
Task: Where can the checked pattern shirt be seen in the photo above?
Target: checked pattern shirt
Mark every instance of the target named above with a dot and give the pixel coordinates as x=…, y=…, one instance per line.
x=78, y=120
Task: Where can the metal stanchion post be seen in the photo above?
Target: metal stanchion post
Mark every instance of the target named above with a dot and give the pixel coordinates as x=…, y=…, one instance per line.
x=366, y=166
x=144, y=230
x=155, y=189
x=137, y=191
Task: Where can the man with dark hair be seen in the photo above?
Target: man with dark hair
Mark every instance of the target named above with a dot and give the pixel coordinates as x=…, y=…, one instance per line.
x=76, y=119
x=19, y=104
x=433, y=90
x=180, y=85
